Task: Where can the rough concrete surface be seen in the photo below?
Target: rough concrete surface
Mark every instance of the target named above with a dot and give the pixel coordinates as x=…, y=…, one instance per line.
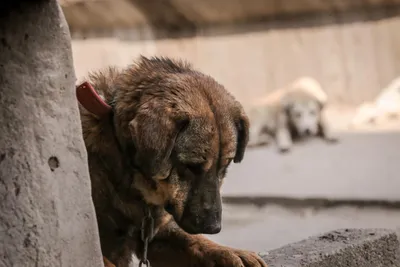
x=46, y=213
x=340, y=248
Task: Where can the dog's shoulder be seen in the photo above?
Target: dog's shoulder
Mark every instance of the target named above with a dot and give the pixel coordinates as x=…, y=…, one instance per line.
x=268, y=102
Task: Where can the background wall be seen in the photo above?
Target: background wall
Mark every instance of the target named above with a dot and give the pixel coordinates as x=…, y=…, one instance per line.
x=353, y=54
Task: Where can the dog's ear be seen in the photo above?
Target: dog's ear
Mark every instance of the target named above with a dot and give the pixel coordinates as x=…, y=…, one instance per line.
x=321, y=104
x=154, y=131
x=286, y=104
x=242, y=126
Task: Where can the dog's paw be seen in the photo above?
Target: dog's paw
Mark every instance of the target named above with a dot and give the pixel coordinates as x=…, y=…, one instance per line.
x=223, y=256
x=332, y=139
x=283, y=140
x=284, y=149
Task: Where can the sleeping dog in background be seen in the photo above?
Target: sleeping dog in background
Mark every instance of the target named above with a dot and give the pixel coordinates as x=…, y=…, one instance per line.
x=293, y=113
x=165, y=147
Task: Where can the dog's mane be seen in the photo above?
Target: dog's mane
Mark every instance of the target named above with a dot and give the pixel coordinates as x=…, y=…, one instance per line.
x=143, y=70
x=131, y=82
x=162, y=64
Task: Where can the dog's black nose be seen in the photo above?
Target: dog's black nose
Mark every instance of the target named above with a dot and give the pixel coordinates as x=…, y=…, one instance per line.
x=208, y=222
x=307, y=132
x=212, y=229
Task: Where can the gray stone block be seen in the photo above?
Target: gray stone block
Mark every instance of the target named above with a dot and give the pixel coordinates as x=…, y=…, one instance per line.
x=46, y=213
x=340, y=248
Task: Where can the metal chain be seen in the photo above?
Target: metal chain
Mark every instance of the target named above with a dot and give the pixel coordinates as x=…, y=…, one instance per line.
x=147, y=234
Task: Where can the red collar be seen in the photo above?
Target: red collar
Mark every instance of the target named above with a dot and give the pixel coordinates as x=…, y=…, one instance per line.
x=91, y=101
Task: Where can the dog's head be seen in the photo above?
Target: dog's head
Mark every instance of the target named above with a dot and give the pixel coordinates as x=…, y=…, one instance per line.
x=303, y=114
x=186, y=129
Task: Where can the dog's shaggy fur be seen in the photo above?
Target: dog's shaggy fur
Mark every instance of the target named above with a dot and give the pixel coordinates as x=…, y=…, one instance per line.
x=166, y=147
x=290, y=113
x=384, y=108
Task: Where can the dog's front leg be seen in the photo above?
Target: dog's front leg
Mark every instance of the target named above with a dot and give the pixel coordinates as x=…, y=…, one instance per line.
x=283, y=139
x=254, y=136
x=325, y=129
x=282, y=135
x=173, y=247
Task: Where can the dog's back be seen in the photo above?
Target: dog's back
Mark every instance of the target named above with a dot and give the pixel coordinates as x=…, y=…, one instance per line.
x=310, y=87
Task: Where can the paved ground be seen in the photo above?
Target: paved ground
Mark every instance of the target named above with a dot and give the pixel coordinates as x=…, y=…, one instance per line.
x=363, y=165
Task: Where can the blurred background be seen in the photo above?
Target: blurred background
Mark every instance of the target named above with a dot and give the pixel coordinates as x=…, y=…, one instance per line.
x=252, y=47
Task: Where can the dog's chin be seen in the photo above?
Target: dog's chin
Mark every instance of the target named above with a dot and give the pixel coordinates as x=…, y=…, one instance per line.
x=208, y=229
x=307, y=134
x=190, y=226
x=195, y=229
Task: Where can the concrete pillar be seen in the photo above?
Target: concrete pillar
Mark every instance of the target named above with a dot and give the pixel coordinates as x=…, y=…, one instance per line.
x=46, y=212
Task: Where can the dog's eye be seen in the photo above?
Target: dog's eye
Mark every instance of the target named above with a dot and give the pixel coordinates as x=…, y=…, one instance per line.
x=195, y=168
x=297, y=114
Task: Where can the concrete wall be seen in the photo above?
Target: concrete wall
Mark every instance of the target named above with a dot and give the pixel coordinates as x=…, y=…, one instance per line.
x=176, y=15
x=354, y=55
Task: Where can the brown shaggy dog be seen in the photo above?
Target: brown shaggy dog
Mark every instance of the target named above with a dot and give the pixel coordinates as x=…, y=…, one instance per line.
x=166, y=146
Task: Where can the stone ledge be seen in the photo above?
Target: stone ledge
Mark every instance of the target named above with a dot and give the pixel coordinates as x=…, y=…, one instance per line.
x=344, y=247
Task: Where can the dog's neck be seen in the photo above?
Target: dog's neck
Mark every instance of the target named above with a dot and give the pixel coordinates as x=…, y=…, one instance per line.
x=123, y=171
x=121, y=175
x=114, y=148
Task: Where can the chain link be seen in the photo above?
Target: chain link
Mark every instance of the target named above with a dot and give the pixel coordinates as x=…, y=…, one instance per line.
x=147, y=234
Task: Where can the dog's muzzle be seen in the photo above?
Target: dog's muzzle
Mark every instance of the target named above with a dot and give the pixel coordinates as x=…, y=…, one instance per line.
x=208, y=223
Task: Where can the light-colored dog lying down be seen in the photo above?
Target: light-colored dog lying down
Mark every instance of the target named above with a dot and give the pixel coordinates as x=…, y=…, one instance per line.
x=385, y=107
x=289, y=114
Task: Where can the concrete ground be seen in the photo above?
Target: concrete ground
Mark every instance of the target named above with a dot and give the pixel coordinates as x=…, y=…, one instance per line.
x=363, y=165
